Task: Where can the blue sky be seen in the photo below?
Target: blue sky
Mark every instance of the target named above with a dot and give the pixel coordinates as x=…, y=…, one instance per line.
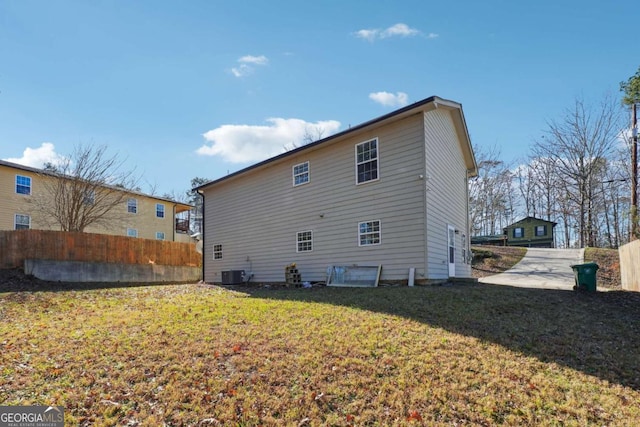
x=203, y=88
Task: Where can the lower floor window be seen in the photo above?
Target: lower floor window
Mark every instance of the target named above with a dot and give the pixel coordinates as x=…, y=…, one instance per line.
x=304, y=241
x=132, y=232
x=22, y=222
x=159, y=235
x=217, y=251
x=369, y=233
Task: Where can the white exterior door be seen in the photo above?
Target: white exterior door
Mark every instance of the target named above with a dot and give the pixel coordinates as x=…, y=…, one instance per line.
x=451, y=255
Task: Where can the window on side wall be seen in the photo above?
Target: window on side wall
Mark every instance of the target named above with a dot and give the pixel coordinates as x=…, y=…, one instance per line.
x=89, y=197
x=367, y=161
x=541, y=230
x=22, y=222
x=23, y=185
x=518, y=232
x=301, y=174
x=304, y=241
x=132, y=206
x=159, y=210
x=369, y=233
x=217, y=251
x=132, y=232
x=159, y=235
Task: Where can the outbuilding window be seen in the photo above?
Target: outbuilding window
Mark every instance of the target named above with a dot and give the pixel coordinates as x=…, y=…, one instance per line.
x=541, y=230
x=518, y=232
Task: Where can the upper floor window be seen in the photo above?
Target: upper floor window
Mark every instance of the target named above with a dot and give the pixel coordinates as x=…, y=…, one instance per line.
x=89, y=197
x=518, y=232
x=541, y=230
x=369, y=233
x=159, y=210
x=132, y=232
x=159, y=235
x=132, y=206
x=301, y=173
x=217, y=251
x=304, y=241
x=23, y=184
x=22, y=222
x=367, y=161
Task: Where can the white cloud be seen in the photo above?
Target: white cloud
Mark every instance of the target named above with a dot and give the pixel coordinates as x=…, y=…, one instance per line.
x=399, y=99
x=397, y=30
x=38, y=157
x=247, y=64
x=433, y=35
x=369, y=35
x=257, y=60
x=401, y=30
x=253, y=143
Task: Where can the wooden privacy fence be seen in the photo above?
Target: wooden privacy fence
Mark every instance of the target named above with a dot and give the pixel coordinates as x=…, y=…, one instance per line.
x=18, y=245
x=630, y=266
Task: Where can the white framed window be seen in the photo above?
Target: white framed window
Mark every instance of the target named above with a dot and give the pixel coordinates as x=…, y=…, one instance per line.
x=159, y=235
x=541, y=230
x=89, y=197
x=23, y=185
x=217, y=251
x=518, y=232
x=369, y=233
x=132, y=232
x=22, y=222
x=159, y=210
x=367, y=161
x=132, y=205
x=304, y=241
x=301, y=174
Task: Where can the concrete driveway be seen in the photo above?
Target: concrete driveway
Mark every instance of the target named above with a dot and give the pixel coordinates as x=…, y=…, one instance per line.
x=541, y=268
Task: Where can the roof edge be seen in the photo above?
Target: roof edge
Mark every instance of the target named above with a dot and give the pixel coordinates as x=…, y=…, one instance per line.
x=436, y=100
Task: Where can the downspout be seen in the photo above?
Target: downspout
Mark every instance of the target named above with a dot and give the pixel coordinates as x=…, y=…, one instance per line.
x=202, y=235
x=468, y=242
x=173, y=226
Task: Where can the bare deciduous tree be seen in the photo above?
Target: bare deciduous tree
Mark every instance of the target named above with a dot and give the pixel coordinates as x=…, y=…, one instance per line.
x=490, y=196
x=579, y=145
x=83, y=190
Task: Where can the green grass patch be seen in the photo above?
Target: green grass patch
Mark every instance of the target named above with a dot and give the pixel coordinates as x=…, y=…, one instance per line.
x=201, y=355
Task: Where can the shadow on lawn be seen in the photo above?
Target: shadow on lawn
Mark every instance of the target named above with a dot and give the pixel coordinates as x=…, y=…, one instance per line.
x=595, y=333
x=14, y=280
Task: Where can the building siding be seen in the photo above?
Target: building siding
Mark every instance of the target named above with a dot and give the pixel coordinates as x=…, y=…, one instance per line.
x=256, y=215
x=145, y=221
x=446, y=194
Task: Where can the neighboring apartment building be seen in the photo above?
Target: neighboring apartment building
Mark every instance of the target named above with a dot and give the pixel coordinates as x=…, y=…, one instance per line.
x=140, y=215
x=391, y=192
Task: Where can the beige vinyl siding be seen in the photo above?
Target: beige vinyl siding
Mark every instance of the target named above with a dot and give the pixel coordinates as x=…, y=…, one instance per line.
x=256, y=215
x=446, y=193
x=12, y=202
x=145, y=221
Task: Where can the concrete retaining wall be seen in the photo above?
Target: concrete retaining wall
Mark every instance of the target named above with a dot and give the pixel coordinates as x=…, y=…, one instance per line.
x=78, y=271
x=630, y=266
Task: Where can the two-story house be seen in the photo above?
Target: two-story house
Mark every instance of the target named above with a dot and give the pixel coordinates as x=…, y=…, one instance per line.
x=140, y=215
x=391, y=192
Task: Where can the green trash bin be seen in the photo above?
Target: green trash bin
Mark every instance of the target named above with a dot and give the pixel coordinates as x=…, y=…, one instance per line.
x=585, y=275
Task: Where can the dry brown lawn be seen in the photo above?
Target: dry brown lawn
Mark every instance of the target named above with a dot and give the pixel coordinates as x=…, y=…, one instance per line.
x=201, y=355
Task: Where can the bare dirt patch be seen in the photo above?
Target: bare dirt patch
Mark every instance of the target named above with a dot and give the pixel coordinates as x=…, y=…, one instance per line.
x=490, y=260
